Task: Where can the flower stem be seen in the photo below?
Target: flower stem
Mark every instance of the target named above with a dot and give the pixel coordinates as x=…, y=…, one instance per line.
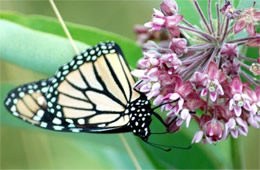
x=202, y=15
x=187, y=23
x=236, y=154
x=247, y=58
x=225, y=30
x=218, y=23
x=243, y=39
x=210, y=16
x=200, y=47
x=248, y=78
x=206, y=35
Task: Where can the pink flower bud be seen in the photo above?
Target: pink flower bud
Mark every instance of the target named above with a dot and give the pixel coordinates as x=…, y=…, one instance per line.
x=200, y=79
x=169, y=7
x=214, y=130
x=231, y=68
x=178, y=46
x=229, y=51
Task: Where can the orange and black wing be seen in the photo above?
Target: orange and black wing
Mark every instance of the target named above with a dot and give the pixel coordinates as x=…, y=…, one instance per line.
x=88, y=94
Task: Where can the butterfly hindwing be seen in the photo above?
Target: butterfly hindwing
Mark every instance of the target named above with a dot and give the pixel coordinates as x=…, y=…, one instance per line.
x=28, y=102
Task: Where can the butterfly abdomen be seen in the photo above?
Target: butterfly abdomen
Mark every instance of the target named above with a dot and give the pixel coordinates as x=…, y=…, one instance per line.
x=140, y=117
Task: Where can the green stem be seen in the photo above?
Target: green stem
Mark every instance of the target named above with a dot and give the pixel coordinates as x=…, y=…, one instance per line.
x=236, y=152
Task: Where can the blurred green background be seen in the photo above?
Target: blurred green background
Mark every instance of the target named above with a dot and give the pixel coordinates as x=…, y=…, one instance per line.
x=24, y=146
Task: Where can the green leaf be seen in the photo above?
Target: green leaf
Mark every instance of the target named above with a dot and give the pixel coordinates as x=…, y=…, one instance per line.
x=84, y=34
x=30, y=49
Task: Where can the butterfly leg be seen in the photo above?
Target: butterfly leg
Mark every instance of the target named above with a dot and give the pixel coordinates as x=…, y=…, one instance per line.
x=161, y=119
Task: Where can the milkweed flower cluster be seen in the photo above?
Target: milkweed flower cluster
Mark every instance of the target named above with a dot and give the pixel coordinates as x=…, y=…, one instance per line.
x=200, y=79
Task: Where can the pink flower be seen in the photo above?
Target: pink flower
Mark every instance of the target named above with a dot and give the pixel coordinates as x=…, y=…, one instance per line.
x=247, y=19
x=174, y=32
x=231, y=67
x=214, y=130
x=212, y=82
x=229, y=10
x=172, y=21
x=171, y=60
x=202, y=72
x=157, y=72
x=229, y=51
x=142, y=34
x=175, y=121
x=199, y=135
x=223, y=112
x=236, y=126
x=180, y=91
x=254, y=116
x=254, y=120
x=154, y=91
x=194, y=101
x=159, y=21
x=169, y=7
x=178, y=45
x=239, y=99
x=199, y=79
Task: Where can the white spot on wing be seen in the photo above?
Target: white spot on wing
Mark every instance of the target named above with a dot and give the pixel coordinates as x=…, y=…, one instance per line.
x=43, y=124
x=21, y=94
x=56, y=121
x=58, y=127
x=37, y=118
x=101, y=125
x=81, y=121
x=40, y=113
x=69, y=120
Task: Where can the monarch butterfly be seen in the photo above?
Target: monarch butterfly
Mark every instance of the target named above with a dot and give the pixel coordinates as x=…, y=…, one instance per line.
x=94, y=92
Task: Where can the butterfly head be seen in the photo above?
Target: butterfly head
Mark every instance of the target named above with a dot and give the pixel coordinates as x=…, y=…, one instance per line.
x=140, y=118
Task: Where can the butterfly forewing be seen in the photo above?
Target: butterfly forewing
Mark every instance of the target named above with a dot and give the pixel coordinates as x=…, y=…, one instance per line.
x=91, y=91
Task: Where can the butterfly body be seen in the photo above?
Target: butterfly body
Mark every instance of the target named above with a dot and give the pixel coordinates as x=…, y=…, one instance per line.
x=140, y=117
